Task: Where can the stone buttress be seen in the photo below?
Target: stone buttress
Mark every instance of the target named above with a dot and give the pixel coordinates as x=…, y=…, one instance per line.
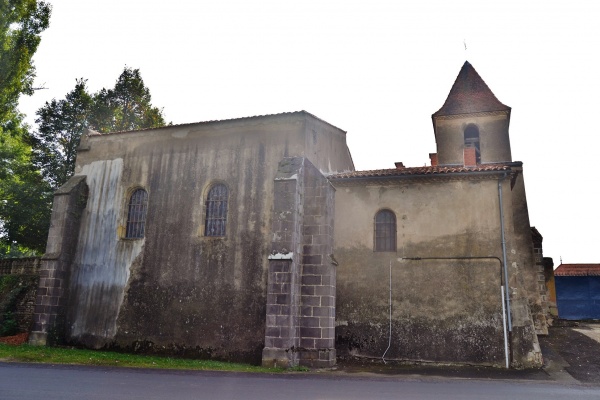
x=300, y=318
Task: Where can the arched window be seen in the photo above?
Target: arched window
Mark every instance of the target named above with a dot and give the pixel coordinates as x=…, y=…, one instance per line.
x=385, y=231
x=136, y=214
x=472, y=140
x=216, y=211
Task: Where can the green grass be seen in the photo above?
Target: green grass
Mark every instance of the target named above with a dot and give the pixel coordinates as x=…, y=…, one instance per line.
x=61, y=355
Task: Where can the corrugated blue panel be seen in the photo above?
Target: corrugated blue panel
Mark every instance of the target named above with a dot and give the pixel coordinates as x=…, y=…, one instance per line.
x=578, y=297
x=595, y=288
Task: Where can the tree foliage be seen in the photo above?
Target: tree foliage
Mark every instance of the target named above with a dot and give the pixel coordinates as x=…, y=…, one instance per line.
x=61, y=123
x=125, y=107
x=24, y=196
x=33, y=165
x=60, y=126
x=21, y=22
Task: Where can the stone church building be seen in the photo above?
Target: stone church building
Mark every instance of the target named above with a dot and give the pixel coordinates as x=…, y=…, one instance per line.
x=256, y=239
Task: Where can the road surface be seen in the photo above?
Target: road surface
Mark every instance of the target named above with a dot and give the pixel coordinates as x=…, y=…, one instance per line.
x=49, y=382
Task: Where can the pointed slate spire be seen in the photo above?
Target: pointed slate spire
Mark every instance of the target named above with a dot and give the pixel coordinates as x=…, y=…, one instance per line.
x=469, y=95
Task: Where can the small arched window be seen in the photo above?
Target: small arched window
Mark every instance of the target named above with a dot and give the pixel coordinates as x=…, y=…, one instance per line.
x=216, y=211
x=472, y=140
x=385, y=231
x=136, y=214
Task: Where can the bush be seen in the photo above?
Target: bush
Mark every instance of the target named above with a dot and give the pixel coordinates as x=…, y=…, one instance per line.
x=9, y=325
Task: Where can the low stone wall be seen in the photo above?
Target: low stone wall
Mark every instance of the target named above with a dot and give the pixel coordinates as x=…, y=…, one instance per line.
x=20, y=266
x=19, y=279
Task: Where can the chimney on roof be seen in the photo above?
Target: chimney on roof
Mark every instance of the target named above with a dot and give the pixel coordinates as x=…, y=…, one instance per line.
x=399, y=165
x=433, y=159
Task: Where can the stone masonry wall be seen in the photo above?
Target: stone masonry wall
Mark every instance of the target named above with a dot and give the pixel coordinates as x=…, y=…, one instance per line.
x=21, y=299
x=20, y=266
x=69, y=201
x=282, y=333
x=301, y=283
x=317, y=322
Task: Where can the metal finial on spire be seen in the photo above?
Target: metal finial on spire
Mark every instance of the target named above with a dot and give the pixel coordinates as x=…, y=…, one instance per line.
x=465, y=43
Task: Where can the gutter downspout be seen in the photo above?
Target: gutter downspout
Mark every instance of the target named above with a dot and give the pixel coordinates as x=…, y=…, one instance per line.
x=504, y=327
x=505, y=267
x=390, y=322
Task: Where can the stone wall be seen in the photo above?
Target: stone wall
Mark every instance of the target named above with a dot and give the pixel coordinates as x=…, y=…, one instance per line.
x=20, y=266
x=523, y=268
x=20, y=278
x=301, y=281
x=445, y=276
x=317, y=321
x=52, y=294
x=178, y=290
x=493, y=136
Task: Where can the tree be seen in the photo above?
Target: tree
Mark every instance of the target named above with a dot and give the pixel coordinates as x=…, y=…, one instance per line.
x=24, y=196
x=21, y=22
x=25, y=199
x=60, y=126
x=125, y=107
x=61, y=123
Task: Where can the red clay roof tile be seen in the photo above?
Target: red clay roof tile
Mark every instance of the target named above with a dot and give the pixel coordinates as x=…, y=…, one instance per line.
x=577, y=270
x=420, y=171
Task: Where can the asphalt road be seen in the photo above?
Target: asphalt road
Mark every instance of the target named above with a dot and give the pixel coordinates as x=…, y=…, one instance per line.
x=48, y=382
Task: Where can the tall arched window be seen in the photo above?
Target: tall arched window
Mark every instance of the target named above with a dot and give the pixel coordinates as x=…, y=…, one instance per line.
x=472, y=140
x=216, y=211
x=385, y=231
x=136, y=214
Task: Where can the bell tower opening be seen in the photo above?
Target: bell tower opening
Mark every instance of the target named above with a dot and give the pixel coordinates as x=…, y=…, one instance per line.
x=472, y=140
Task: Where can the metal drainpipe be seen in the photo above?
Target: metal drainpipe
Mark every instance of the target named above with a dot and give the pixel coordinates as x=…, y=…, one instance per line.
x=508, y=312
x=390, y=316
x=504, y=327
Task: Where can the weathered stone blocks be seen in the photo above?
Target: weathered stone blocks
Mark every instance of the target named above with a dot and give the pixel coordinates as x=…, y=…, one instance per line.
x=303, y=226
x=69, y=202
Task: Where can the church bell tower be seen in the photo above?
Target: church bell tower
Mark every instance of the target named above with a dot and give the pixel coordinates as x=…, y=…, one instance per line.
x=471, y=128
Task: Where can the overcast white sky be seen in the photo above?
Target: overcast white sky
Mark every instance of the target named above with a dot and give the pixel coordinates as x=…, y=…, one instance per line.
x=376, y=69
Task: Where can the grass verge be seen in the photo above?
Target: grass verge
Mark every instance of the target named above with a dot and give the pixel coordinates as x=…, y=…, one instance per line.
x=61, y=355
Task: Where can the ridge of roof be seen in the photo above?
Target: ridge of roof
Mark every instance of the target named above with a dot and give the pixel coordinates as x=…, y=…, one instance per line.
x=577, y=270
x=470, y=94
x=426, y=170
x=289, y=113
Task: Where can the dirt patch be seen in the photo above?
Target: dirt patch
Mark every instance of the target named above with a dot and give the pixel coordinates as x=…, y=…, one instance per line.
x=579, y=345
x=15, y=339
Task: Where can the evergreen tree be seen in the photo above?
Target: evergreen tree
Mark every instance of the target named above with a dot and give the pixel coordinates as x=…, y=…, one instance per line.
x=125, y=107
x=60, y=126
x=61, y=123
